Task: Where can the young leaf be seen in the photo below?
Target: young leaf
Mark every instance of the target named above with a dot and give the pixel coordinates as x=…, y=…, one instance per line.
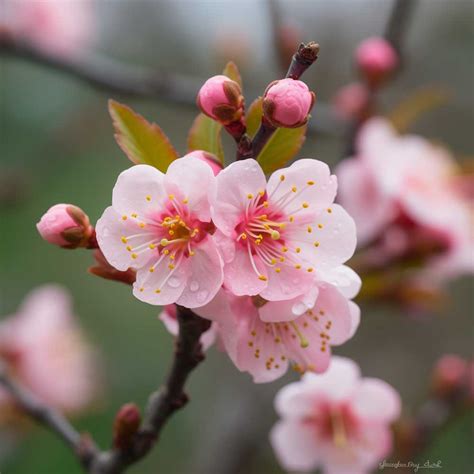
x=205, y=134
x=232, y=72
x=283, y=145
x=141, y=141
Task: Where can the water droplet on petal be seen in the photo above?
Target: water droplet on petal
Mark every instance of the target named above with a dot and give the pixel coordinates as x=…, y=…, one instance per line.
x=174, y=282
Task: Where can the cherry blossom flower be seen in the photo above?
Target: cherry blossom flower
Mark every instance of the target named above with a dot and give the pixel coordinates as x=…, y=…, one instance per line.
x=401, y=192
x=337, y=421
x=161, y=226
x=60, y=26
x=44, y=349
x=208, y=158
x=169, y=319
x=275, y=236
x=263, y=337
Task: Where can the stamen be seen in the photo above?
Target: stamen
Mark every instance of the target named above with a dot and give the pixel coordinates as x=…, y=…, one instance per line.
x=303, y=341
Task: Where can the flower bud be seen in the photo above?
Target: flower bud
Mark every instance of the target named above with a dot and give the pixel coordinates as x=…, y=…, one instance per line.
x=208, y=158
x=65, y=225
x=450, y=374
x=221, y=99
x=287, y=102
x=352, y=102
x=376, y=59
x=127, y=422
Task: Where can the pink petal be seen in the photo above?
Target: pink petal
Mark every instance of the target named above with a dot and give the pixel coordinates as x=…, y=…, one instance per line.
x=329, y=241
x=191, y=179
x=134, y=186
x=376, y=400
x=318, y=195
x=288, y=310
x=295, y=445
x=297, y=400
x=355, y=318
x=239, y=275
x=111, y=229
x=205, y=274
x=163, y=286
x=233, y=184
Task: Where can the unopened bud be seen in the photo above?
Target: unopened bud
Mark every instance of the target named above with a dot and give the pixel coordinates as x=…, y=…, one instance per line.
x=450, y=375
x=221, y=99
x=376, y=59
x=208, y=158
x=65, y=225
x=126, y=424
x=287, y=103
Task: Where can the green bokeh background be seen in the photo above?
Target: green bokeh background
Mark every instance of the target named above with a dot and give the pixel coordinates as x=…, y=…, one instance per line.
x=58, y=146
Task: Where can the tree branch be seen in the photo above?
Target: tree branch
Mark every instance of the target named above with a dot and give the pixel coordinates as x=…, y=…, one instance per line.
x=397, y=23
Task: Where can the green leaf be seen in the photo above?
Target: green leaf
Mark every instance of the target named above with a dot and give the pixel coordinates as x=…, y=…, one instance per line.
x=283, y=145
x=205, y=134
x=232, y=72
x=141, y=141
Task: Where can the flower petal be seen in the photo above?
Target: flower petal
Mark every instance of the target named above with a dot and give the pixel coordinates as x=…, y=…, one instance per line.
x=376, y=400
x=138, y=190
x=233, y=185
x=192, y=180
x=295, y=445
x=121, y=250
x=205, y=275
x=345, y=279
x=305, y=181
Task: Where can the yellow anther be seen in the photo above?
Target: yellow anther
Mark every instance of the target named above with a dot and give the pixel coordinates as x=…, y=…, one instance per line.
x=142, y=289
x=123, y=239
x=298, y=249
x=243, y=236
x=152, y=246
x=316, y=244
x=261, y=193
x=298, y=266
x=310, y=269
x=284, y=249
x=142, y=225
x=129, y=248
x=185, y=201
x=148, y=198
x=166, y=251
x=275, y=235
x=164, y=242
x=305, y=205
x=151, y=270
x=265, y=204
x=192, y=253
x=278, y=269
x=134, y=255
x=310, y=183
x=134, y=215
x=124, y=218
x=250, y=196
x=273, y=261
x=158, y=291
x=320, y=226
x=309, y=229
x=292, y=219
x=172, y=256
x=329, y=210
x=171, y=232
x=171, y=266
x=282, y=177
x=262, y=277
x=294, y=189
x=282, y=259
x=171, y=197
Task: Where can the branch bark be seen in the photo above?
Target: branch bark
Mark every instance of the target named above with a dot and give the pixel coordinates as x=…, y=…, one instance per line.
x=161, y=405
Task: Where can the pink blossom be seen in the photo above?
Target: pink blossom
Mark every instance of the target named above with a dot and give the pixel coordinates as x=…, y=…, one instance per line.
x=221, y=99
x=351, y=102
x=287, y=103
x=65, y=225
x=376, y=59
x=275, y=236
x=208, y=158
x=60, y=26
x=336, y=421
x=168, y=318
x=392, y=187
x=160, y=225
x=263, y=337
x=45, y=350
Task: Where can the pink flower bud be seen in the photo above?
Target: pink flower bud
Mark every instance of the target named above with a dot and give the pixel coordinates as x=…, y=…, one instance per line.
x=376, y=59
x=287, y=103
x=127, y=422
x=208, y=158
x=450, y=374
x=221, y=99
x=352, y=102
x=65, y=225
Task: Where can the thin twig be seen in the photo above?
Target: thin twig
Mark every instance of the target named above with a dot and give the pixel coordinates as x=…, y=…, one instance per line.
x=397, y=23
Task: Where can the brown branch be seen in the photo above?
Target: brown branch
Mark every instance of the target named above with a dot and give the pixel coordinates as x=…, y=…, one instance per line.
x=397, y=23
x=161, y=405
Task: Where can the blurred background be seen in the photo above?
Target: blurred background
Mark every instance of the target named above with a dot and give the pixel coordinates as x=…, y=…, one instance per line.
x=58, y=146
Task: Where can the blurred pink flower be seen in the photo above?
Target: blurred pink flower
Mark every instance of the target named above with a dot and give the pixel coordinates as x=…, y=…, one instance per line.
x=160, y=225
x=337, y=421
x=168, y=318
x=287, y=103
x=352, y=102
x=273, y=236
x=263, y=337
x=64, y=27
x=45, y=350
x=401, y=192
